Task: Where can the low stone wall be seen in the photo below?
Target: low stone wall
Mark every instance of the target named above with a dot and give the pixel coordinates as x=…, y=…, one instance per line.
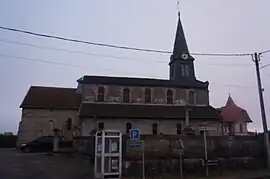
x=162, y=153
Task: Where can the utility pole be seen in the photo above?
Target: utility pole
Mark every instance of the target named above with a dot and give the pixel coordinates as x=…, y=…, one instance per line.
x=266, y=136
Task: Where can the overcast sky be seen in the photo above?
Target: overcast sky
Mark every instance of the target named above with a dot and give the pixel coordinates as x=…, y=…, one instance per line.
x=211, y=26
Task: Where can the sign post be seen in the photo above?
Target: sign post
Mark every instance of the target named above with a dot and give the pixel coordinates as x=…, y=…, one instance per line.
x=204, y=128
x=134, y=136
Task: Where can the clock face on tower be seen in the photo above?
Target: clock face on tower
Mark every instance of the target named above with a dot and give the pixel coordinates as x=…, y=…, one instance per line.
x=184, y=56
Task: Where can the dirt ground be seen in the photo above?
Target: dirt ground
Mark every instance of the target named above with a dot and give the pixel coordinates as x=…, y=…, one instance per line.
x=17, y=165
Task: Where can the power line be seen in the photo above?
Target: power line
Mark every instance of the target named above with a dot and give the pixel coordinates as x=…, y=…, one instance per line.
x=103, y=69
x=75, y=51
x=232, y=85
x=117, y=46
x=106, y=56
x=264, y=66
x=266, y=51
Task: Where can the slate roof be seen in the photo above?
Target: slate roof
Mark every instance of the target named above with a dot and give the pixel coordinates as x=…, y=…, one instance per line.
x=51, y=98
x=180, y=44
x=136, y=111
x=149, y=82
x=233, y=113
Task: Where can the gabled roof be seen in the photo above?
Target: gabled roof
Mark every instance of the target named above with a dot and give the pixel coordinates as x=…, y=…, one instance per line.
x=149, y=82
x=51, y=98
x=138, y=111
x=233, y=113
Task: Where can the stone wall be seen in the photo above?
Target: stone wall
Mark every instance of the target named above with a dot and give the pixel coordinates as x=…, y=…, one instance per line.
x=137, y=94
x=162, y=154
x=165, y=127
x=36, y=122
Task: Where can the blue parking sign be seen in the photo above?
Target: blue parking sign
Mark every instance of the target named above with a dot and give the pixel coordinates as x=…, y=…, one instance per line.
x=134, y=134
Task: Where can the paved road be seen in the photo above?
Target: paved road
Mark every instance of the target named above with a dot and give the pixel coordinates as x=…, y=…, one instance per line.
x=16, y=165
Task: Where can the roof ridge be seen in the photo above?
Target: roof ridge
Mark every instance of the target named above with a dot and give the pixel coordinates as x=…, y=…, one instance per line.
x=51, y=87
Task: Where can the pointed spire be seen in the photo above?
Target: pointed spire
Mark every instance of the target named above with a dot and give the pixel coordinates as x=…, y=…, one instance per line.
x=230, y=101
x=180, y=44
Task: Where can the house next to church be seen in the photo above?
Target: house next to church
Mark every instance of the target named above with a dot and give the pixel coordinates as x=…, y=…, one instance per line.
x=234, y=119
x=155, y=106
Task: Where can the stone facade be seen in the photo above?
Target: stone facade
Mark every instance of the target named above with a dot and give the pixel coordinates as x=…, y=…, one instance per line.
x=41, y=122
x=114, y=93
x=237, y=128
x=164, y=127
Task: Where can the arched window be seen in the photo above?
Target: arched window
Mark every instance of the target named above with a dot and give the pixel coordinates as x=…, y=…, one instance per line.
x=169, y=96
x=191, y=97
x=128, y=127
x=241, y=128
x=100, y=126
x=126, y=96
x=69, y=123
x=101, y=94
x=147, y=95
x=178, y=129
x=155, y=129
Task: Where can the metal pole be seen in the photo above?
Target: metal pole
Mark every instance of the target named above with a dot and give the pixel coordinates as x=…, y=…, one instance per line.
x=266, y=136
x=181, y=165
x=180, y=157
x=143, y=172
x=187, y=116
x=205, y=153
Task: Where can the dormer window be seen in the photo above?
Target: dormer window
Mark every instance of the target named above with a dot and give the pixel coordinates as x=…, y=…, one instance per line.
x=101, y=94
x=147, y=95
x=126, y=95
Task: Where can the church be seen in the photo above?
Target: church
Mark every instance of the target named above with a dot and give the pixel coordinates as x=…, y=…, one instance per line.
x=174, y=106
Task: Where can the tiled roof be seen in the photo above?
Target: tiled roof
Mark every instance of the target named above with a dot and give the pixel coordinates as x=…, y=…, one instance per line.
x=51, y=97
x=151, y=82
x=233, y=113
x=107, y=110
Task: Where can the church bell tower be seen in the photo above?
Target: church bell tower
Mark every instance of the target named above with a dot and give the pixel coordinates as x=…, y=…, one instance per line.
x=181, y=62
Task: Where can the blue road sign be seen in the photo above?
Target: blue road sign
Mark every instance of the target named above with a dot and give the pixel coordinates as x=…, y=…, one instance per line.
x=134, y=134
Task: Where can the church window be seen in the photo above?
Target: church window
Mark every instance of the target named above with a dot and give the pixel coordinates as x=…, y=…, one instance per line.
x=182, y=70
x=126, y=95
x=191, y=97
x=155, y=129
x=128, y=127
x=240, y=128
x=186, y=70
x=169, y=96
x=178, y=129
x=147, y=95
x=100, y=126
x=101, y=94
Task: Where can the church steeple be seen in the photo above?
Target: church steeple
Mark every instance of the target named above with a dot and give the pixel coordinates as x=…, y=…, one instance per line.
x=180, y=43
x=181, y=62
